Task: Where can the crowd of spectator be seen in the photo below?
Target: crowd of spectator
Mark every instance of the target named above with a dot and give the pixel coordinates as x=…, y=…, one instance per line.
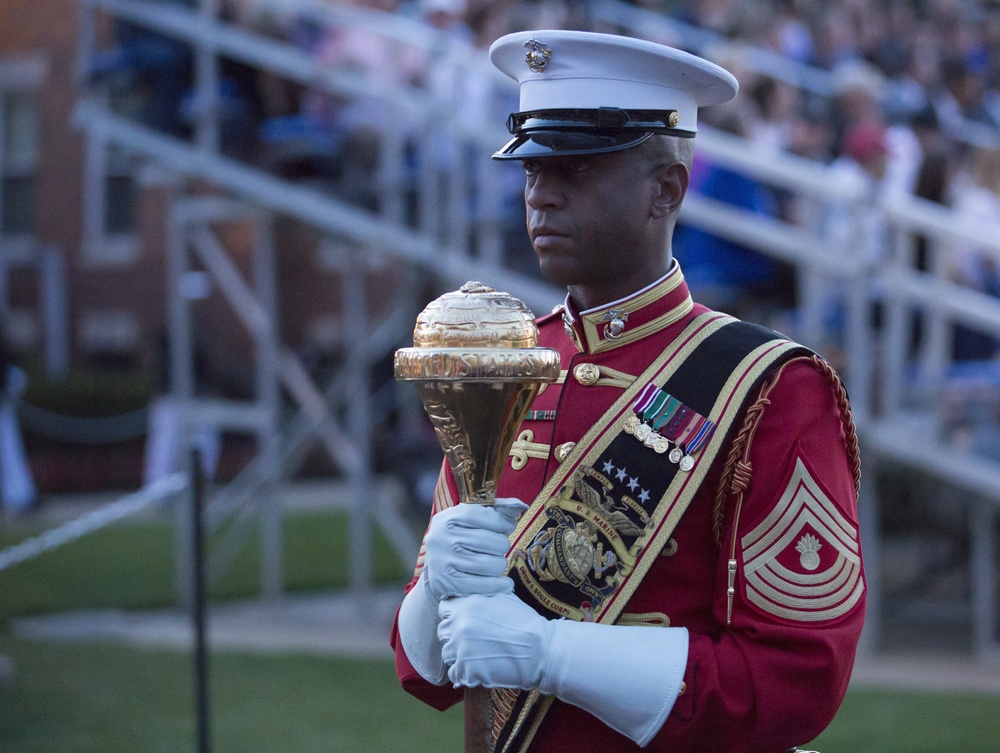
x=905, y=95
x=902, y=93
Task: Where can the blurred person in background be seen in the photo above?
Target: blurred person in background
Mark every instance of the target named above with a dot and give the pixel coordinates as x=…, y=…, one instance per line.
x=779, y=110
x=836, y=40
x=962, y=96
x=448, y=16
x=160, y=68
x=722, y=272
x=354, y=127
x=977, y=195
x=17, y=487
x=909, y=90
x=858, y=91
x=858, y=230
x=789, y=33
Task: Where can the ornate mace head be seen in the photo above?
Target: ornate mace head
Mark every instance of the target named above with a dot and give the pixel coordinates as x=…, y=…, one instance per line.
x=477, y=367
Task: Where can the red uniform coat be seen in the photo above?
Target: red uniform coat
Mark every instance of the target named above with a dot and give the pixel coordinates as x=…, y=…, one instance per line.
x=768, y=668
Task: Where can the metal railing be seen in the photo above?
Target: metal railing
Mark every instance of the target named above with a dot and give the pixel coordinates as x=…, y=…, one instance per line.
x=809, y=79
x=159, y=493
x=417, y=212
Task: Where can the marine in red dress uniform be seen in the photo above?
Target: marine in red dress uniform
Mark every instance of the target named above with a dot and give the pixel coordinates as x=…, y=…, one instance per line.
x=774, y=673
x=761, y=580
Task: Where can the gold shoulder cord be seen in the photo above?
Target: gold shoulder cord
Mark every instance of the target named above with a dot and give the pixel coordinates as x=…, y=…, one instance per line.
x=738, y=469
x=846, y=417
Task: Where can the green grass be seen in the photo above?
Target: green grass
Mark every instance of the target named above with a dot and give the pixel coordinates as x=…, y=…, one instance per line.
x=97, y=698
x=876, y=721
x=105, y=698
x=131, y=566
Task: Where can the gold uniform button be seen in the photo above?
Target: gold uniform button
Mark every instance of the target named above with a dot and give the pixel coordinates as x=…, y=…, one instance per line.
x=586, y=374
x=563, y=450
x=683, y=688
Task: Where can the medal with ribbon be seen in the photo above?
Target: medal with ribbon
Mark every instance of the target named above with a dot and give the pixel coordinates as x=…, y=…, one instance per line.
x=664, y=424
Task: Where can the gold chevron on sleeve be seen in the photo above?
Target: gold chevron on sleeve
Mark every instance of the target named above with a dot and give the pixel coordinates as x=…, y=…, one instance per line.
x=803, y=561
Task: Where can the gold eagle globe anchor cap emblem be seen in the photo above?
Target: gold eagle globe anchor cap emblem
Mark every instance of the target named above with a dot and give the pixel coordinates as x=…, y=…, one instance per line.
x=476, y=365
x=537, y=56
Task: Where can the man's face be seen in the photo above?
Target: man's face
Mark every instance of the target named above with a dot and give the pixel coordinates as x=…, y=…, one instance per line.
x=588, y=216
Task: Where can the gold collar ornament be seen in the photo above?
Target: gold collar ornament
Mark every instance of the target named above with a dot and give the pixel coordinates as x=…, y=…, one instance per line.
x=615, y=325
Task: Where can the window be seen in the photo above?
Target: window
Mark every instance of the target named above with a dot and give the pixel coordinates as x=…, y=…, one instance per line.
x=110, y=194
x=18, y=160
x=20, y=83
x=119, y=198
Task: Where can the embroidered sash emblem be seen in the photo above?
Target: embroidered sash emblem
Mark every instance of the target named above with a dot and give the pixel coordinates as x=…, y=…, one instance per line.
x=594, y=532
x=803, y=561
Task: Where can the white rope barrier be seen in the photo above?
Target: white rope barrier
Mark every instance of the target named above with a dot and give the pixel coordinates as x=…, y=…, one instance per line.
x=94, y=520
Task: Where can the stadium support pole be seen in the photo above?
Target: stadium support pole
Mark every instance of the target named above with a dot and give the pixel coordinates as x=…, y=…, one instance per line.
x=198, y=602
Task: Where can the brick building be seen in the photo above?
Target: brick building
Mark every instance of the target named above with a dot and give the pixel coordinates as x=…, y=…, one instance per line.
x=112, y=280
x=82, y=261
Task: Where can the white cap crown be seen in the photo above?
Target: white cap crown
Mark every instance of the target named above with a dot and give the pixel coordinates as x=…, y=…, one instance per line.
x=588, y=71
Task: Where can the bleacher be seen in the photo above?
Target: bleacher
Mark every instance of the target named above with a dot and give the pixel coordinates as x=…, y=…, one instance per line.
x=436, y=207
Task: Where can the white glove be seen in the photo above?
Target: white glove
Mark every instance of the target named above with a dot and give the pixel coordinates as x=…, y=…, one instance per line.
x=417, y=622
x=628, y=677
x=494, y=641
x=464, y=552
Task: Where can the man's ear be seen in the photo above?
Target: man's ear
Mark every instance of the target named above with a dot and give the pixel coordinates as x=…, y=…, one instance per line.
x=672, y=184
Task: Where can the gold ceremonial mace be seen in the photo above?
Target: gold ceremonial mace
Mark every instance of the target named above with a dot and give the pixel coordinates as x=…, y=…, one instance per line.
x=476, y=366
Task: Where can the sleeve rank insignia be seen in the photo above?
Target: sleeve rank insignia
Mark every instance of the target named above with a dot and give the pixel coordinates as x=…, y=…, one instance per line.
x=803, y=561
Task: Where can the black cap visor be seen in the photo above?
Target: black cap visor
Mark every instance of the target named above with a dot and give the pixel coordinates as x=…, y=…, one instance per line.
x=568, y=143
x=553, y=133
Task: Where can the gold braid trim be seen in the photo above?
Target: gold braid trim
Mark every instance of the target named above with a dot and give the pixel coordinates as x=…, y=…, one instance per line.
x=850, y=432
x=613, y=378
x=643, y=619
x=737, y=470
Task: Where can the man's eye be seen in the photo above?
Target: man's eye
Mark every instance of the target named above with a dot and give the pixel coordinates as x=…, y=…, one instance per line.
x=580, y=164
x=530, y=167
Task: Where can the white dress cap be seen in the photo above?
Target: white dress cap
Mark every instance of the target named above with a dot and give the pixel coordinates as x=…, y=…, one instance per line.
x=578, y=70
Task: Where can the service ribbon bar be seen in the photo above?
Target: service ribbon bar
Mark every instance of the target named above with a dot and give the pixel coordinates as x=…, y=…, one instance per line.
x=663, y=423
x=649, y=393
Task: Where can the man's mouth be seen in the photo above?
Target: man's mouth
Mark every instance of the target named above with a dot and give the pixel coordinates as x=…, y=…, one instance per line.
x=542, y=235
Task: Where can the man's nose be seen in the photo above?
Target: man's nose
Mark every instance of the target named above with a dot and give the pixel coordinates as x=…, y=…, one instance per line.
x=542, y=191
